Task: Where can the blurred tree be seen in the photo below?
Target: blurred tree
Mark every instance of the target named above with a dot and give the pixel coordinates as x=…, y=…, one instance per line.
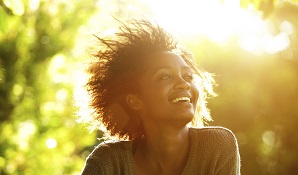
x=258, y=96
x=38, y=132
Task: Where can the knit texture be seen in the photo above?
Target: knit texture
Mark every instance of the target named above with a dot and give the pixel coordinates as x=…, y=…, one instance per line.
x=213, y=151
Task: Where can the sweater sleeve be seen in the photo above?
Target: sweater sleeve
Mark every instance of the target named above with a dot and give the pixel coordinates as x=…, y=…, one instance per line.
x=110, y=158
x=92, y=167
x=99, y=160
x=230, y=164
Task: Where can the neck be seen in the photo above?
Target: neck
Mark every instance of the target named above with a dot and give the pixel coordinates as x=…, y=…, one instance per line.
x=165, y=148
x=164, y=142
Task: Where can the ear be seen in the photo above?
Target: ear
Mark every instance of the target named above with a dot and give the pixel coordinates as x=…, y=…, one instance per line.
x=133, y=101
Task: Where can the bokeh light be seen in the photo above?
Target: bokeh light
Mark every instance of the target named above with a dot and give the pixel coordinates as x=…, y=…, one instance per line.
x=25, y=132
x=51, y=143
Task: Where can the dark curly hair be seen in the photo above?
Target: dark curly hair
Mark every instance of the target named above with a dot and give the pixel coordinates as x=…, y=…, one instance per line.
x=115, y=71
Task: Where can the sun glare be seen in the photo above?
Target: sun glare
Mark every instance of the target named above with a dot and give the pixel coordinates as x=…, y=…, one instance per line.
x=81, y=96
x=221, y=20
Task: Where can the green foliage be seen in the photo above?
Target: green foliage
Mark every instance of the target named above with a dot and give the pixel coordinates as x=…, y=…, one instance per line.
x=258, y=98
x=39, y=134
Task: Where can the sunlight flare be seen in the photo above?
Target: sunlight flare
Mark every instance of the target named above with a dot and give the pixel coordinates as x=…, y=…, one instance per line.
x=221, y=21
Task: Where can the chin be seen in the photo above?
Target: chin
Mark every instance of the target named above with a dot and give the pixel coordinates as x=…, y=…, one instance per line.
x=184, y=120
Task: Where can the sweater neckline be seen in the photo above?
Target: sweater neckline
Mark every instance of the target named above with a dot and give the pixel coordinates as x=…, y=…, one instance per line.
x=191, y=152
x=129, y=152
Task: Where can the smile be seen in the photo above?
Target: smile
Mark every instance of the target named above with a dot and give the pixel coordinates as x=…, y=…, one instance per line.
x=181, y=100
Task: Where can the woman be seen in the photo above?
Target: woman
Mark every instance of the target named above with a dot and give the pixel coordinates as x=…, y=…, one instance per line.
x=146, y=91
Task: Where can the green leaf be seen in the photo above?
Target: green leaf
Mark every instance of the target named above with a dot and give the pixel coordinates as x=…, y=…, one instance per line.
x=3, y=21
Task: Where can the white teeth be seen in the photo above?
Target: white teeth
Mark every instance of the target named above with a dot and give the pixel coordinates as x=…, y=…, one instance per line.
x=176, y=100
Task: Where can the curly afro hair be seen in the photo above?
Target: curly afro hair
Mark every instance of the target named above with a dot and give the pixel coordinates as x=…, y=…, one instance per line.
x=115, y=71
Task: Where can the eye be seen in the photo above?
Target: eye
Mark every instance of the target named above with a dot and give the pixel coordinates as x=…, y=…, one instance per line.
x=189, y=76
x=165, y=77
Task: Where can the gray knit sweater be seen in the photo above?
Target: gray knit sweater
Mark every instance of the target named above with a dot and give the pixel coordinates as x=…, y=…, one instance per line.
x=213, y=150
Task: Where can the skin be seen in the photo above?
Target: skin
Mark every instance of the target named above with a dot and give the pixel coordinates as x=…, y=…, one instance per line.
x=165, y=148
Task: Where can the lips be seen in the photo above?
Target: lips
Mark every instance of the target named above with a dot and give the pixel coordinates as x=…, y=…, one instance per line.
x=181, y=98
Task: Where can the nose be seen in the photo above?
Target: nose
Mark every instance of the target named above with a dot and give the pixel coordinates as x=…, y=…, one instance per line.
x=181, y=84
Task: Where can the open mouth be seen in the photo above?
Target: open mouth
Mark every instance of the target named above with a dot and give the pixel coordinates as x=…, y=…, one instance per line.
x=182, y=100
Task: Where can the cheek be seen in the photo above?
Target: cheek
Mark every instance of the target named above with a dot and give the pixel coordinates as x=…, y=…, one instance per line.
x=196, y=92
x=155, y=96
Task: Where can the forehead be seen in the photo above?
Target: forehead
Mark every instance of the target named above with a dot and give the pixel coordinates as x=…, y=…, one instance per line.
x=164, y=59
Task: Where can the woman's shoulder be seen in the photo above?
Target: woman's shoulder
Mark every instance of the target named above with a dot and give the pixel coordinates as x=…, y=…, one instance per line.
x=109, y=148
x=109, y=158
x=215, y=134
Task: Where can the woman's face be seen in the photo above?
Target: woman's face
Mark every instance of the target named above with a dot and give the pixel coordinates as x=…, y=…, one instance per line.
x=168, y=93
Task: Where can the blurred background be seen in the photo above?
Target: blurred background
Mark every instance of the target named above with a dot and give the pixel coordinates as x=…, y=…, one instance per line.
x=250, y=45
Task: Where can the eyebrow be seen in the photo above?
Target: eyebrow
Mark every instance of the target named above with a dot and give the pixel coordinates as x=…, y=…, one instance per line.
x=184, y=68
x=169, y=67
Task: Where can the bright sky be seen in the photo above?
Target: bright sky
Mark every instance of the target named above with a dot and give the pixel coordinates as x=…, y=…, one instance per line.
x=220, y=20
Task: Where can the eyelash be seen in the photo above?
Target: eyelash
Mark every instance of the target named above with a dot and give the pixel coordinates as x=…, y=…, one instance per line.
x=188, y=77
x=165, y=76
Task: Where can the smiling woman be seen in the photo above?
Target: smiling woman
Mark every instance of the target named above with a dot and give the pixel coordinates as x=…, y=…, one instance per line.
x=146, y=90
x=167, y=90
